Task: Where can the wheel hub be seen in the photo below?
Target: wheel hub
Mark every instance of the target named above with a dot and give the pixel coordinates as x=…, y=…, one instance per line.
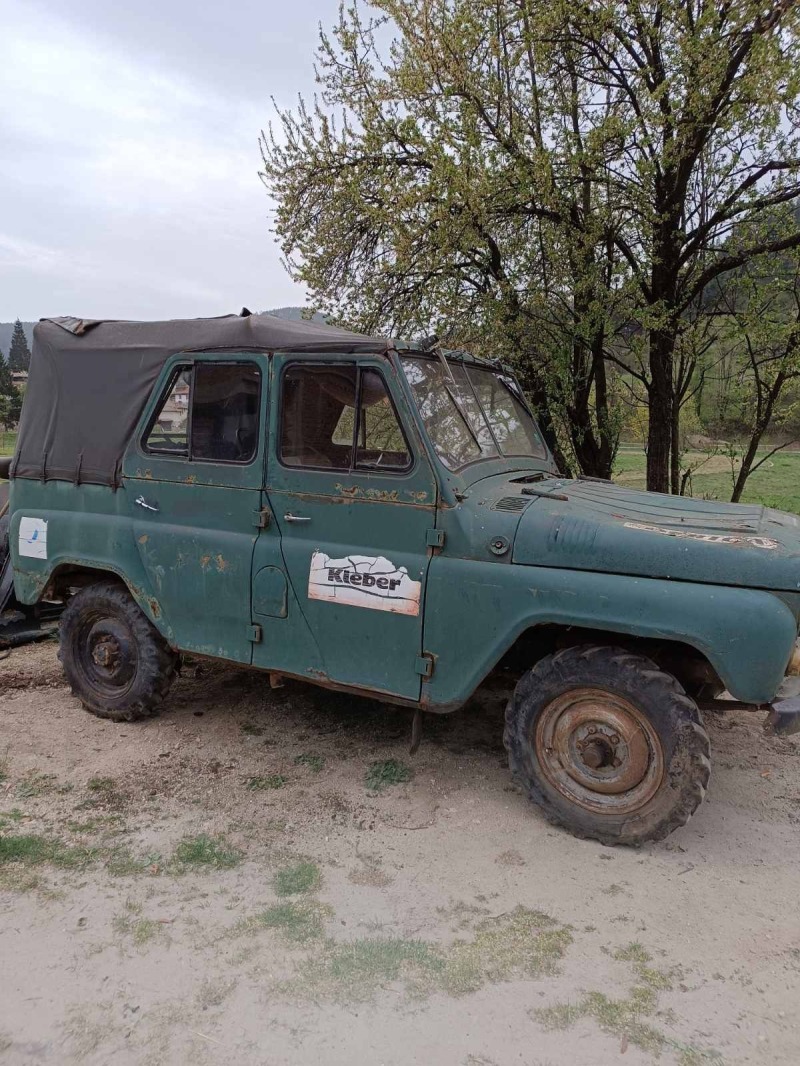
x=108, y=654
x=600, y=750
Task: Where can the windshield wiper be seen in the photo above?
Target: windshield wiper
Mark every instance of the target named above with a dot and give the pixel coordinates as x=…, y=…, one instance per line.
x=464, y=419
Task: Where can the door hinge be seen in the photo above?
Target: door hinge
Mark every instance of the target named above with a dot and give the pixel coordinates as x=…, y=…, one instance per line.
x=262, y=518
x=424, y=664
x=254, y=634
x=434, y=538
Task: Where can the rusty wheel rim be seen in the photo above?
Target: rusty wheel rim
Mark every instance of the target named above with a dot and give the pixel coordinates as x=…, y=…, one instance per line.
x=599, y=750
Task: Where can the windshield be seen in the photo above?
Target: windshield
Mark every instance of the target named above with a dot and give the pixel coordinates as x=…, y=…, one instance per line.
x=471, y=413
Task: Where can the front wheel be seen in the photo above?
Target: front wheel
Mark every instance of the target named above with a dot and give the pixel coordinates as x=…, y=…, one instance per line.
x=607, y=745
x=115, y=661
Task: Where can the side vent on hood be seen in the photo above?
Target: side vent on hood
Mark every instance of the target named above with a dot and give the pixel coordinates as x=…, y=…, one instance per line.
x=512, y=503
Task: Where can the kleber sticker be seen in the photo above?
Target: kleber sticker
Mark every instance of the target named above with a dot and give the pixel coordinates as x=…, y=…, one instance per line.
x=709, y=538
x=33, y=538
x=363, y=581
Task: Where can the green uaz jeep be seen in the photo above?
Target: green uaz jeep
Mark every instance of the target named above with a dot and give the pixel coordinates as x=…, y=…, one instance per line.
x=388, y=521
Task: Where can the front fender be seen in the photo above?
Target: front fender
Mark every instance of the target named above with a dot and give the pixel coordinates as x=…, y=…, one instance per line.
x=474, y=611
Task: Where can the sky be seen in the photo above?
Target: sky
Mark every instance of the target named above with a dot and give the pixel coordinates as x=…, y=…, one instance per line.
x=129, y=153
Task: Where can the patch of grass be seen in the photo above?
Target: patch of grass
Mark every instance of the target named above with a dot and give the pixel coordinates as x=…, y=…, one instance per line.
x=32, y=850
x=297, y=921
x=370, y=873
x=352, y=971
x=261, y=784
x=5, y=768
x=140, y=930
x=12, y=817
x=250, y=729
x=626, y=1018
x=35, y=784
x=619, y=1017
x=303, y=876
x=205, y=851
x=101, y=784
x=309, y=759
x=16, y=878
x=522, y=943
x=658, y=980
x=103, y=823
x=775, y=484
x=387, y=772
x=121, y=863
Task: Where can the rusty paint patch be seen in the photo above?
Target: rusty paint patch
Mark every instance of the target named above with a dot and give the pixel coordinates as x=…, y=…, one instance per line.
x=144, y=538
x=347, y=490
x=154, y=606
x=205, y=560
x=191, y=479
x=418, y=497
x=222, y=563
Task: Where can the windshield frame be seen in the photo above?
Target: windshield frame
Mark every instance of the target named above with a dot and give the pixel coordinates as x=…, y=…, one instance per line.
x=503, y=373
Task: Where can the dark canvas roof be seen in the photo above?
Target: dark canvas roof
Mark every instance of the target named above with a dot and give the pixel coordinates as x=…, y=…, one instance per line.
x=90, y=380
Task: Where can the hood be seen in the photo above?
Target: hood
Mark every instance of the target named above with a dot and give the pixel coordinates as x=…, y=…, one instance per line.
x=593, y=525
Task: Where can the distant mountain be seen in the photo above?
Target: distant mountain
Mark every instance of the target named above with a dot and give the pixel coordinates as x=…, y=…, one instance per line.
x=7, y=328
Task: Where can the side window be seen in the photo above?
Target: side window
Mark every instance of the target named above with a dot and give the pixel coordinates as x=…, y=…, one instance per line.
x=319, y=427
x=209, y=413
x=169, y=430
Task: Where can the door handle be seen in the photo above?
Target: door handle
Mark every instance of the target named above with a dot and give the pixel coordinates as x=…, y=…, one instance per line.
x=142, y=502
x=289, y=517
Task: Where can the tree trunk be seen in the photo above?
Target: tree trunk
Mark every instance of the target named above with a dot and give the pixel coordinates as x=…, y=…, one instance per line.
x=660, y=424
x=675, y=449
x=663, y=419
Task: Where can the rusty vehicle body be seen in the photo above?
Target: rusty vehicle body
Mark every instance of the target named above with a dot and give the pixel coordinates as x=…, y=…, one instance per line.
x=388, y=521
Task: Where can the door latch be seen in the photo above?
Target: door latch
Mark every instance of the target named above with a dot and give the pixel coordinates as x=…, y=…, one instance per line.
x=434, y=538
x=261, y=519
x=424, y=664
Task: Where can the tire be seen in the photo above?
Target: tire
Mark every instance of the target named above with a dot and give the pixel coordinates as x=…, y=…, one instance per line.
x=115, y=661
x=607, y=745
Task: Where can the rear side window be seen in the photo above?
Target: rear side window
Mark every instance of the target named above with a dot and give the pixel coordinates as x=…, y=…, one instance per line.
x=321, y=430
x=209, y=412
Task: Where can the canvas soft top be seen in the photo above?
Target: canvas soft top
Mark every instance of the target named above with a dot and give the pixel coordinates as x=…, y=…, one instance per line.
x=89, y=381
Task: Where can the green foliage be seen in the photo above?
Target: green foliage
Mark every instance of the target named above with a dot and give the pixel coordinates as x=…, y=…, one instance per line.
x=312, y=761
x=205, y=851
x=562, y=184
x=298, y=922
x=19, y=355
x=265, y=782
x=32, y=849
x=303, y=876
x=387, y=772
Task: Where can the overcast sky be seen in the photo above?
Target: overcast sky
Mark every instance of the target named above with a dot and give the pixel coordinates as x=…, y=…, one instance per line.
x=129, y=153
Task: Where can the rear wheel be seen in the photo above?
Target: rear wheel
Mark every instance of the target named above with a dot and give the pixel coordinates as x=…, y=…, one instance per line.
x=115, y=661
x=607, y=745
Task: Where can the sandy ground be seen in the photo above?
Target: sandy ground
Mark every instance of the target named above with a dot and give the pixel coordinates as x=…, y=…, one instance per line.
x=219, y=885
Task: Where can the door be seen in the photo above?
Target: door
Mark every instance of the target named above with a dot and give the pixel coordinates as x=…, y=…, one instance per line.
x=354, y=497
x=193, y=481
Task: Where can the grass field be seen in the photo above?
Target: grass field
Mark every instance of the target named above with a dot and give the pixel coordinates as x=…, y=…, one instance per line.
x=7, y=442
x=775, y=484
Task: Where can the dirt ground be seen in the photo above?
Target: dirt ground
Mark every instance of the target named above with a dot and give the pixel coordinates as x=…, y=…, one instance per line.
x=251, y=879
